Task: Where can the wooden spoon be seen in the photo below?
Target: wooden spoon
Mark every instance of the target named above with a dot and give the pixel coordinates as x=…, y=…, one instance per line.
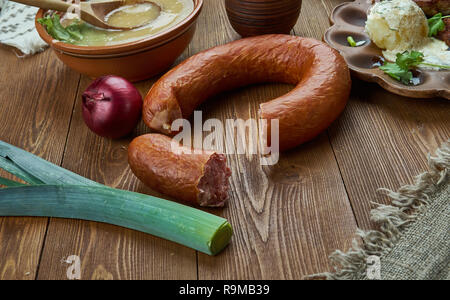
x=92, y=12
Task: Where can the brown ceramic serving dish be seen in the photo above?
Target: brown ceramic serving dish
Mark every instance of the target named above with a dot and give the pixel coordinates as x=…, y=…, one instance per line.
x=349, y=20
x=134, y=61
x=257, y=17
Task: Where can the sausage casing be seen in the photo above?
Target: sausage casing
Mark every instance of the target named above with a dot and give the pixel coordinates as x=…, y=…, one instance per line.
x=320, y=73
x=197, y=178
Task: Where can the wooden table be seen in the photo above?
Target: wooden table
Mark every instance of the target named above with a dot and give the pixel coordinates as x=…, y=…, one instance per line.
x=287, y=218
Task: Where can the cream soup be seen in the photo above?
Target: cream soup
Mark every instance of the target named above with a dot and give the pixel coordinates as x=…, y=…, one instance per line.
x=155, y=16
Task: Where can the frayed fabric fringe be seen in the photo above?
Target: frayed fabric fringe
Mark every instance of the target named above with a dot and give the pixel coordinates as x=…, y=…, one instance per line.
x=408, y=204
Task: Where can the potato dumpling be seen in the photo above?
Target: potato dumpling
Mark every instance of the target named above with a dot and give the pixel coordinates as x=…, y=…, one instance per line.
x=397, y=25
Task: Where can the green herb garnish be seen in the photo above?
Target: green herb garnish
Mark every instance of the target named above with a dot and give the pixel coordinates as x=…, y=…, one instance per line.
x=351, y=41
x=407, y=60
x=70, y=34
x=398, y=73
x=436, y=24
x=401, y=69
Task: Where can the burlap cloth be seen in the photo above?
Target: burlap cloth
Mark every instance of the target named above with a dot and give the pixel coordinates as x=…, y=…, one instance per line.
x=413, y=240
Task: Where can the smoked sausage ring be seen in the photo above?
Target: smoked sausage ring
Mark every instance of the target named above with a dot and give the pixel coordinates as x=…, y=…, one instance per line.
x=320, y=75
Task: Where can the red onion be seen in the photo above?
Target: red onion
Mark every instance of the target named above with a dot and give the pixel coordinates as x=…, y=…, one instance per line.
x=112, y=107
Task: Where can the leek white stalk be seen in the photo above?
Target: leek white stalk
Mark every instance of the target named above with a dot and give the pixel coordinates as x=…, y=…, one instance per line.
x=55, y=192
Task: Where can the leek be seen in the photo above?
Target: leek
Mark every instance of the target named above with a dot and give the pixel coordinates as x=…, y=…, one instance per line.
x=35, y=170
x=55, y=192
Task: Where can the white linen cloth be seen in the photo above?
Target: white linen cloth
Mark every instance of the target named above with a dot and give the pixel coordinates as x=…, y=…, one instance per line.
x=17, y=27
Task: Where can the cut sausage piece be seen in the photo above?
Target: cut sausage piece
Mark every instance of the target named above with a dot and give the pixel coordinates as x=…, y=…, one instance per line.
x=320, y=73
x=199, y=179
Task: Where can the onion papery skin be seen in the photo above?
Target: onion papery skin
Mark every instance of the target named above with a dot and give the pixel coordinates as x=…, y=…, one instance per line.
x=111, y=107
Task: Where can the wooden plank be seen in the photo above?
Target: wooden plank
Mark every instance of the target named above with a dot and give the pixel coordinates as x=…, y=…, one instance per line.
x=36, y=101
x=289, y=217
x=134, y=255
x=106, y=251
x=382, y=140
x=313, y=20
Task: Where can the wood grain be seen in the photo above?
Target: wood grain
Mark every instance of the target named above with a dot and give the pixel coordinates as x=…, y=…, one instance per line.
x=36, y=101
x=287, y=218
x=106, y=251
x=382, y=140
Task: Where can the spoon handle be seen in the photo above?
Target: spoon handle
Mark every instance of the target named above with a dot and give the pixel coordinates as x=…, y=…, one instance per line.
x=57, y=5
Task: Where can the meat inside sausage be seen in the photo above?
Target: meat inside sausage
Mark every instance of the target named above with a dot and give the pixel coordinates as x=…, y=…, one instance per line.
x=214, y=186
x=199, y=178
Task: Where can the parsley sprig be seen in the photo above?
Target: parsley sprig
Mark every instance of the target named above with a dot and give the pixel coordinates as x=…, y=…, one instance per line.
x=406, y=61
x=436, y=24
x=69, y=34
x=400, y=70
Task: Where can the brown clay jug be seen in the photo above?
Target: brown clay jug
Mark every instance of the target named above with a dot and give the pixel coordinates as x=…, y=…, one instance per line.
x=257, y=17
